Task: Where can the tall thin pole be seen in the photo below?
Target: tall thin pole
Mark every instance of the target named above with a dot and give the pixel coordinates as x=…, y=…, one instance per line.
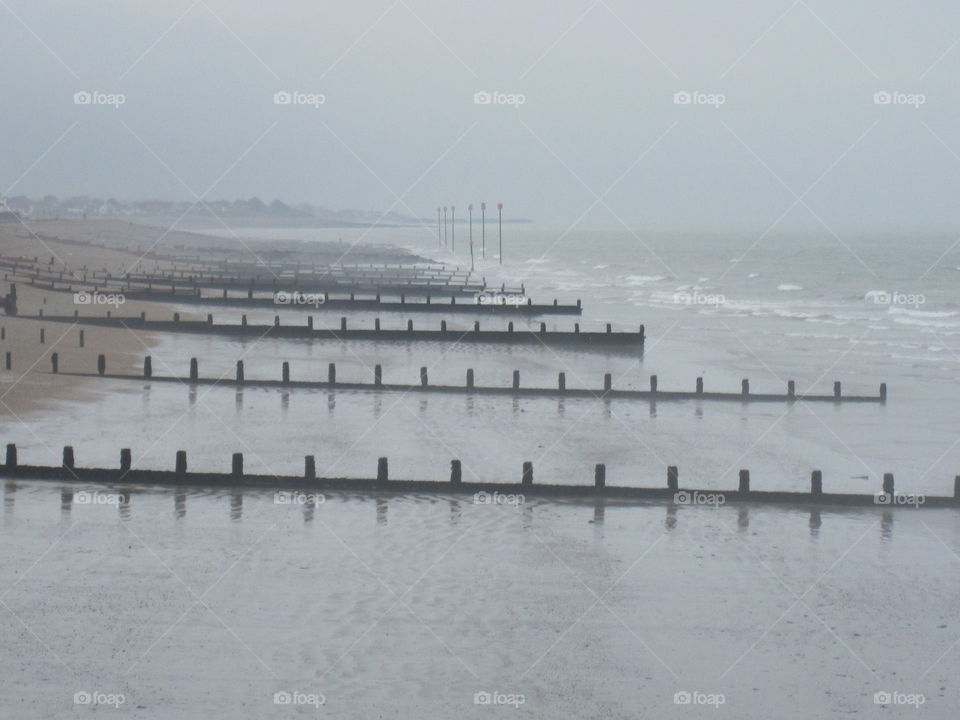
x=439, y=235
x=453, y=228
x=445, y=226
x=470, y=210
x=500, y=222
x=483, y=230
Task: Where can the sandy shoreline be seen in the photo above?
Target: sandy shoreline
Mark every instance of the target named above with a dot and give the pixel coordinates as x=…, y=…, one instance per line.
x=29, y=385
x=113, y=245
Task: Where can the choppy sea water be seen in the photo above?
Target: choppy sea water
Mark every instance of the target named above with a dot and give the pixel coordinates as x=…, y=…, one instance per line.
x=297, y=612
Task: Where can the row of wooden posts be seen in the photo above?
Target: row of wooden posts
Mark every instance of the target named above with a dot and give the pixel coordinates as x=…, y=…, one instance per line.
x=240, y=377
x=343, y=323
x=68, y=465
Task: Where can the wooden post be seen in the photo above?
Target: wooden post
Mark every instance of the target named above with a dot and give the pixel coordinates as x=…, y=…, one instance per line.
x=176, y=317
x=673, y=478
x=276, y=321
x=836, y=390
x=562, y=382
x=376, y=324
x=469, y=377
x=609, y=328
x=456, y=472
x=343, y=324
x=510, y=327
x=147, y=366
x=527, y=477
x=209, y=319
x=237, y=466
x=332, y=373
x=607, y=382
x=423, y=377
x=956, y=487
x=101, y=364
x=143, y=317
x=543, y=328
x=409, y=325
x=43, y=336
x=378, y=376
x=744, y=387
x=443, y=326
x=816, y=483
x=194, y=369
x=309, y=467
x=239, y=371
x=699, y=386
x=243, y=321
x=888, y=483
x=285, y=372
x=791, y=388
x=653, y=383
x=744, y=481
x=516, y=379
x=476, y=326
x=382, y=471
x=125, y=460
x=883, y=392
x=600, y=476
x=9, y=360
x=181, y=465
x=68, y=457
x=54, y=363
x=11, y=455
x=81, y=338
x=310, y=322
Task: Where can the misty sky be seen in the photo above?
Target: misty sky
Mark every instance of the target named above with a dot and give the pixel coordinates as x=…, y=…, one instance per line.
x=798, y=83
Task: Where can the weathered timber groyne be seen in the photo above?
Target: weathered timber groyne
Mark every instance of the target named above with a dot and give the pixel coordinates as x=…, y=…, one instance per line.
x=492, y=302
x=126, y=475
x=409, y=334
x=607, y=391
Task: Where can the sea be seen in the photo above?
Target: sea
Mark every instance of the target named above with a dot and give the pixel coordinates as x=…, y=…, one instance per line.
x=252, y=604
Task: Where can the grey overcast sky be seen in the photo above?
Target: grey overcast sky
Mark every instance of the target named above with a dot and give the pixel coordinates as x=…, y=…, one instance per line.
x=787, y=106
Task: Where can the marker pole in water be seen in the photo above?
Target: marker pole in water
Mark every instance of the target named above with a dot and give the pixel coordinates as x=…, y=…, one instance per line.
x=470, y=211
x=444, y=226
x=453, y=228
x=439, y=236
x=483, y=230
x=500, y=223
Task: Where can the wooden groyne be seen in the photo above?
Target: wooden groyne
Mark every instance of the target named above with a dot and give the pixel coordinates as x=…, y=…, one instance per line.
x=410, y=280
x=409, y=334
x=68, y=472
x=607, y=391
x=489, y=303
